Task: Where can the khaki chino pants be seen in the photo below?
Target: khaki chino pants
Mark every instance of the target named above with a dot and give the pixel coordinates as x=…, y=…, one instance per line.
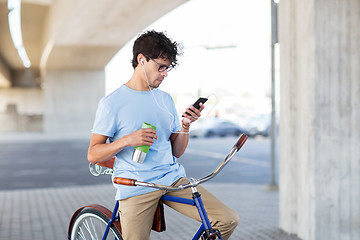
x=137, y=213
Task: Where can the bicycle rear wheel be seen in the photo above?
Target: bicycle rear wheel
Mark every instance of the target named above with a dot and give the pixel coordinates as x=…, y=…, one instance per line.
x=91, y=223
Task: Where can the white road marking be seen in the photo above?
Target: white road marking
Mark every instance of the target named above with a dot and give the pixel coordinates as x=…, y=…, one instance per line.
x=222, y=157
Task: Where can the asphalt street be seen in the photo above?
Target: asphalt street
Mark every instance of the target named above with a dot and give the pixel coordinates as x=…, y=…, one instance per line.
x=62, y=163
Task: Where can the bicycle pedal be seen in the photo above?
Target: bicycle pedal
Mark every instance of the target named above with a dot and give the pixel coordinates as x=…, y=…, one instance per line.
x=211, y=234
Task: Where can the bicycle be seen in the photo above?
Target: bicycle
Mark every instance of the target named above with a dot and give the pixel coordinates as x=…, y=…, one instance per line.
x=94, y=221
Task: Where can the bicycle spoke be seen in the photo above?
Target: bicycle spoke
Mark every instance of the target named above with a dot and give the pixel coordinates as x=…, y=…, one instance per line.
x=86, y=225
x=81, y=234
x=93, y=226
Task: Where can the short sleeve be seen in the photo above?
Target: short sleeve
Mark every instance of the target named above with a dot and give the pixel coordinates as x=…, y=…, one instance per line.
x=105, y=120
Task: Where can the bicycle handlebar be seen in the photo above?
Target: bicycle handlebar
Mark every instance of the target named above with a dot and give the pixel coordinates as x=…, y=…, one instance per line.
x=240, y=142
x=125, y=181
x=193, y=182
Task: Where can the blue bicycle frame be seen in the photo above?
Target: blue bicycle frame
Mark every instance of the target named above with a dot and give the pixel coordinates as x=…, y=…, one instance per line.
x=205, y=226
x=114, y=217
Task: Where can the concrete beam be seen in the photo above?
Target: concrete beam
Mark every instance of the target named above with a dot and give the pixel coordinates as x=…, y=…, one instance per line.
x=5, y=76
x=38, y=2
x=87, y=34
x=7, y=49
x=33, y=21
x=32, y=25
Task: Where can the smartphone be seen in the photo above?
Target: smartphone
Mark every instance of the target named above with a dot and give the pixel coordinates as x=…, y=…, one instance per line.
x=197, y=104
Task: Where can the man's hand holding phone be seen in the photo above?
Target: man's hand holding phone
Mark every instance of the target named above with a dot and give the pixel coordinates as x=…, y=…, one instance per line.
x=193, y=112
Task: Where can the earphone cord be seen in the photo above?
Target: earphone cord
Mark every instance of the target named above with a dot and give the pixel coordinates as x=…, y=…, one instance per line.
x=216, y=102
x=167, y=110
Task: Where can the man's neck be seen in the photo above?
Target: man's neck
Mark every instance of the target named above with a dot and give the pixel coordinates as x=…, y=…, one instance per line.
x=138, y=83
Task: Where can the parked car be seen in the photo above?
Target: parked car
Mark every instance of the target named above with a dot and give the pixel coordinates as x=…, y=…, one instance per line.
x=259, y=125
x=215, y=127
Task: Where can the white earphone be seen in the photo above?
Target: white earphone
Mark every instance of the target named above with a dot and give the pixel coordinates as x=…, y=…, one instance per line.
x=142, y=62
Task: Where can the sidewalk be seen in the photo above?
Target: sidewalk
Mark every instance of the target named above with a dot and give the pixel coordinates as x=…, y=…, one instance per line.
x=45, y=213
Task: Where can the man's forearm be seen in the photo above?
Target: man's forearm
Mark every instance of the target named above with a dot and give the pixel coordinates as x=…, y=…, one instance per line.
x=101, y=151
x=179, y=141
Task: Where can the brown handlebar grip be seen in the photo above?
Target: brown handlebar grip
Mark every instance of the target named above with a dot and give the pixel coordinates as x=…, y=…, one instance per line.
x=124, y=181
x=241, y=141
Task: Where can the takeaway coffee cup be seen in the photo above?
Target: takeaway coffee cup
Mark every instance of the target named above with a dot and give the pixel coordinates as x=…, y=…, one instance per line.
x=140, y=152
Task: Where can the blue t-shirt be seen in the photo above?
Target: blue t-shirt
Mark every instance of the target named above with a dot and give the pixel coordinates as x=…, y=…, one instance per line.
x=123, y=112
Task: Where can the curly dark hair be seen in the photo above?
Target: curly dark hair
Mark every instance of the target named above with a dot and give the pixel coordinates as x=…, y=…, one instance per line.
x=154, y=45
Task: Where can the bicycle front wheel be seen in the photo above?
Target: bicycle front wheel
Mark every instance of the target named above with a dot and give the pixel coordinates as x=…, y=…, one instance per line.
x=91, y=224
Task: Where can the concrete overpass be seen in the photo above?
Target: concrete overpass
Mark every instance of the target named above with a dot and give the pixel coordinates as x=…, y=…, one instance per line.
x=69, y=42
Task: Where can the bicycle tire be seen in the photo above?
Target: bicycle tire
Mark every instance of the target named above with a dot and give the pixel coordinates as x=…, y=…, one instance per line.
x=91, y=223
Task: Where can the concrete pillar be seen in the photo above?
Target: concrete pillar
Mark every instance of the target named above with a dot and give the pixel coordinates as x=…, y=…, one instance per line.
x=71, y=98
x=21, y=109
x=320, y=119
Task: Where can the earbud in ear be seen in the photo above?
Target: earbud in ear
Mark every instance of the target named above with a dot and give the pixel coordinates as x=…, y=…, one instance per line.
x=142, y=62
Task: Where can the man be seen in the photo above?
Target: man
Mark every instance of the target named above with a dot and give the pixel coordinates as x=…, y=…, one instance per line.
x=119, y=118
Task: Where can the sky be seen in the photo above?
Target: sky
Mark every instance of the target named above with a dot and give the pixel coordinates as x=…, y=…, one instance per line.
x=226, y=45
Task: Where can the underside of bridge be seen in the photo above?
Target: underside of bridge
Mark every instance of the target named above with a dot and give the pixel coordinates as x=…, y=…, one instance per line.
x=69, y=42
